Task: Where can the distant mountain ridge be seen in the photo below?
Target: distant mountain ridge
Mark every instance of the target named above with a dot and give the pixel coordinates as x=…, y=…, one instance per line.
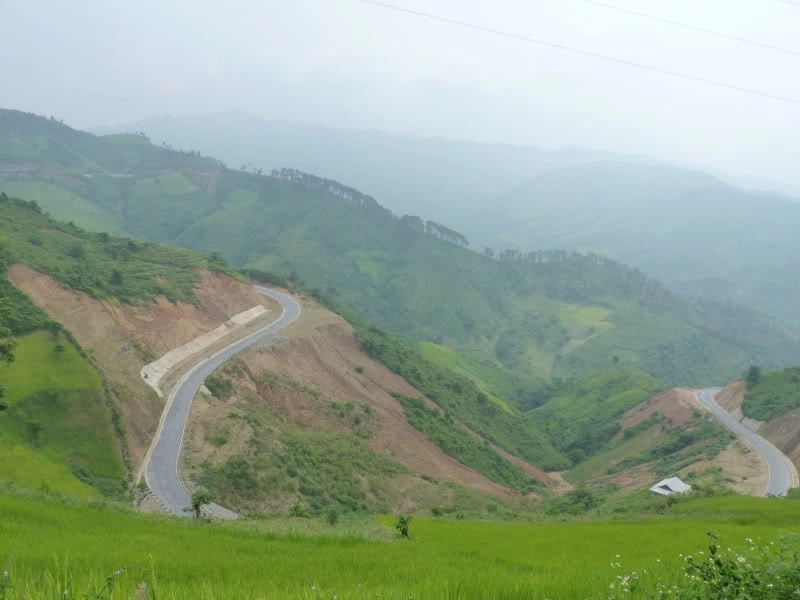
x=526, y=198
x=557, y=314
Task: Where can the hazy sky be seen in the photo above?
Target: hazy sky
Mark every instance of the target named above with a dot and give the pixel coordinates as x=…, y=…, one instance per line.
x=347, y=63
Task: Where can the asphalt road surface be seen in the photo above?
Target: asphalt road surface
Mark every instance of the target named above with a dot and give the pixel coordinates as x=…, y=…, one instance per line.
x=781, y=472
x=161, y=470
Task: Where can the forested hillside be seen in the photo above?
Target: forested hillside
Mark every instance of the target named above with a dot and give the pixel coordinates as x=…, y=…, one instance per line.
x=552, y=313
x=700, y=236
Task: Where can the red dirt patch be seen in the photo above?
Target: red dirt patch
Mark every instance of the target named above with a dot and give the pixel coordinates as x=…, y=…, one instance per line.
x=677, y=404
x=327, y=359
x=732, y=396
x=784, y=432
x=107, y=328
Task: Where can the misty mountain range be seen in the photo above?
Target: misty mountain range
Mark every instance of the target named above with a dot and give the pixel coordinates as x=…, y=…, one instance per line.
x=700, y=235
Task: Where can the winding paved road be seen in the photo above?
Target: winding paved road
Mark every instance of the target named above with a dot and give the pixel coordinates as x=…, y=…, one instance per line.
x=782, y=474
x=161, y=463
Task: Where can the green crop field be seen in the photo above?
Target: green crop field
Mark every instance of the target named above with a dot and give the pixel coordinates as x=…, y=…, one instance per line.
x=62, y=204
x=39, y=367
x=53, y=390
x=49, y=547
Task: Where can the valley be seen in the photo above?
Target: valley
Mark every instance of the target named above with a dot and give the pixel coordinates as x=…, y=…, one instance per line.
x=353, y=364
x=396, y=300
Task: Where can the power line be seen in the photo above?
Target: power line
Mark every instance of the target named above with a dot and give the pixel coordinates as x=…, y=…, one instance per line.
x=709, y=31
x=584, y=52
x=787, y=2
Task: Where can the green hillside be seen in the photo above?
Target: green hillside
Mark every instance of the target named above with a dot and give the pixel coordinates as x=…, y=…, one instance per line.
x=56, y=428
x=695, y=233
x=96, y=263
x=584, y=415
x=553, y=314
x=773, y=394
x=57, y=431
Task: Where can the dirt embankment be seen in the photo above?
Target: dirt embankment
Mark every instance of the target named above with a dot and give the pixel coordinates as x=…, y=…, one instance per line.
x=731, y=397
x=784, y=431
x=677, y=404
x=122, y=338
x=742, y=468
x=319, y=350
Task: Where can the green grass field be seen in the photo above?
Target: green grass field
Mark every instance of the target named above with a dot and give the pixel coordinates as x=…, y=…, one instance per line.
x=169, y=184
x=63, y=204
x=48, y=547
x=61, y=392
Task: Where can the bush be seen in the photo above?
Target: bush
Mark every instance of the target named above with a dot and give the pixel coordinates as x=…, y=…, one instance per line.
x=219, y=386
x=771, y=572
x=332, y=516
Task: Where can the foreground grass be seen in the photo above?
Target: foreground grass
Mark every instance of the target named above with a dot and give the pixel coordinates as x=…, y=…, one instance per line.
x=49, y=547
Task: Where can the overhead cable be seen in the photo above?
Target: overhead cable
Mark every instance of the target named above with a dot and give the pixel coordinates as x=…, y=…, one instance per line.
x=585, y=52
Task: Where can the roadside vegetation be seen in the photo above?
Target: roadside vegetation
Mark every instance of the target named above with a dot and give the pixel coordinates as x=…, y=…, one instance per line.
x=771, y=394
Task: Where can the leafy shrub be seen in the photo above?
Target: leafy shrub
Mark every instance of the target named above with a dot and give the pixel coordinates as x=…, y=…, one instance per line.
x=219, y=386
x=771, y=572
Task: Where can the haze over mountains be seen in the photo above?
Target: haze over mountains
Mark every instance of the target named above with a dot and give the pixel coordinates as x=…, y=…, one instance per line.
x=551, y=313
x=701, y=236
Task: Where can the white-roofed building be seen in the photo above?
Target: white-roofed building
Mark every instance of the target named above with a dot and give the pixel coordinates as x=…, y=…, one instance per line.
x=672, y=485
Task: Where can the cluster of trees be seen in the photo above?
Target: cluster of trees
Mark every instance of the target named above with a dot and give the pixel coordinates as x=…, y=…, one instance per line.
x=332, y=187
x=434, y=229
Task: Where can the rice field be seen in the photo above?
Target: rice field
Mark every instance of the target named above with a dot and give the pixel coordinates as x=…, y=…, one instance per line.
x=49, y=547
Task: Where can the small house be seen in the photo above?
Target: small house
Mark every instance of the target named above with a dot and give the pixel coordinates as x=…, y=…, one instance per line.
x=672, y=485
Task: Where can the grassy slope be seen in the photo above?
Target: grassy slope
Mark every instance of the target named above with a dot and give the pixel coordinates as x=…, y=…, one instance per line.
x=64, y=394
x=777, y=393
x=461, y=397
x=572, y=313
x=584, y=415
x=499, y=384
x=87, y=261
x=48, y=544
x=63, y=204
